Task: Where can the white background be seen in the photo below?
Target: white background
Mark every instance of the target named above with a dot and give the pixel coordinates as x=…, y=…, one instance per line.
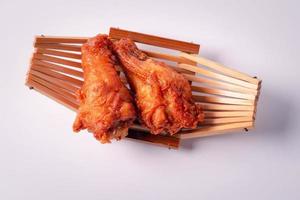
x=42, y=159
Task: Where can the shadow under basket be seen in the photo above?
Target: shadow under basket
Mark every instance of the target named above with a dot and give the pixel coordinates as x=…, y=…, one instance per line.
x=228, y=97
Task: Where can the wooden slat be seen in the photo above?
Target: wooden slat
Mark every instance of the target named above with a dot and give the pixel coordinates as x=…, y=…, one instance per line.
x=59, y=82
x=219, y=114
x=222, y=107
x=213, y=121
x=54, y=74
x=54, y=39
x=58, y=68
x=168, y=57
x=161, y=140
x=154, y=40
x=65, y=47
x=57, y=60
x=140, y=127
x=257, y=97
x=179, y=70
x=222, y=100
x=58, y=53
x=214, y=130
x=215, y=75
x=219, y=84
x=222, y=92
x=51, y=94
x=58, y=89
x=221, y=68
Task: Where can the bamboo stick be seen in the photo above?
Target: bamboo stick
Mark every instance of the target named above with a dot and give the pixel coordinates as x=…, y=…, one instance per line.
x=57, y=60
x=218, y=76
x=220, y=114
x=221, y=92
x=221, y=68
x=219, y=84
x=214, y=130
x=222, y=100
x=154, y=40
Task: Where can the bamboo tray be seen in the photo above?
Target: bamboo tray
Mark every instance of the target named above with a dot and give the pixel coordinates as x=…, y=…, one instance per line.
x=229, y=97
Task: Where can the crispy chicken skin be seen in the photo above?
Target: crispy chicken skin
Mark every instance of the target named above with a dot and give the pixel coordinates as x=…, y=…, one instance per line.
x=106, y=107
x=163, y=96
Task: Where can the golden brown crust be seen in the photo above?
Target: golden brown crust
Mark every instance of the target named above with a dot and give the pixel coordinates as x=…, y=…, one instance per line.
x=106, y=107
x=163, y=96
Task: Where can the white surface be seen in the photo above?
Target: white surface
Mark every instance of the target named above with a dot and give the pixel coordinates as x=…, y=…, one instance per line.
x=42, y=159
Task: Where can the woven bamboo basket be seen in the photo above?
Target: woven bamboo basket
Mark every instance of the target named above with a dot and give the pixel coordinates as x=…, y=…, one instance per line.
x=229, y=97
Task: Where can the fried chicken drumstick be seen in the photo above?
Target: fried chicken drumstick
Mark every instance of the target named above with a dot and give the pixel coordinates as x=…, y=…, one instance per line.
x=163, y=96
x=106, y=107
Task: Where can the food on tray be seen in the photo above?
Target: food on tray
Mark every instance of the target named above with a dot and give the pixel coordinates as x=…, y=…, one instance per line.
x=106, y=107
x=163, y=96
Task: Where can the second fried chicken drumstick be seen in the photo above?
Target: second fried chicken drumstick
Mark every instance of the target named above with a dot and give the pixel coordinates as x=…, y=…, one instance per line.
x=106, y=107
x=163, y=96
